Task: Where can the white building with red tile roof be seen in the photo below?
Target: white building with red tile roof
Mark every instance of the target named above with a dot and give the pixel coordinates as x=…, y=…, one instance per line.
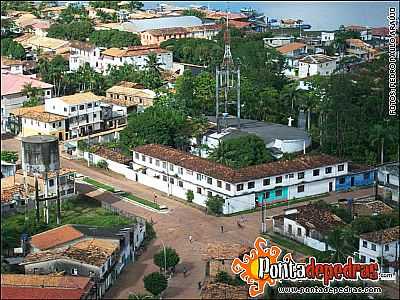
x=12, y=97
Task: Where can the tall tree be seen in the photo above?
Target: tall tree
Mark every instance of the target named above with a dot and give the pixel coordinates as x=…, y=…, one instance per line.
x=34, y=95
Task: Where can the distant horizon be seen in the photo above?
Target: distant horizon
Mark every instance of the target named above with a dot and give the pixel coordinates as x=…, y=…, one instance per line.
x=321, y=15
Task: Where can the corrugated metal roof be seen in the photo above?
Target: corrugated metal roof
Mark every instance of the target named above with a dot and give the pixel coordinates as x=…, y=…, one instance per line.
x=160, y=23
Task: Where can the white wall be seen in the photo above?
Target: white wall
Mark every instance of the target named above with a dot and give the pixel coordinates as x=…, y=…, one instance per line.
x=322, y=69
x=374, y=254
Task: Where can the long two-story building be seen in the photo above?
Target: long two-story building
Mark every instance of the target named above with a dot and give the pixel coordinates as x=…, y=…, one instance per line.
x=176, y=172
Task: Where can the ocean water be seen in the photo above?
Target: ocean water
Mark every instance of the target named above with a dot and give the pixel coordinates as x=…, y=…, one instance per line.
x=321, y=15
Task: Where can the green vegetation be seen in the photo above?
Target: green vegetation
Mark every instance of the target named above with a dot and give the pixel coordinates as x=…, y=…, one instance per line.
x=194, y=12
x=73, y=14
x=141, y=201
x=34, y=95
x=141, y=296
x=244, y=151
x=102, y=164
x=189, y=195
x=171, y=258
x=79, y=30
x=224, y=277
x=114, y=38
x=172, y=129
x=80, y=210
x=99, y=184
x=131, y=5
x=9, y=156
x=291, y=245
x=155, y=283
x=106, y=17
x=215, y=204
x=12, y=49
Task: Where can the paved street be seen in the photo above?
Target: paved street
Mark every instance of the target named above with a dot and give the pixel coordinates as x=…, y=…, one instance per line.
x=173, y=229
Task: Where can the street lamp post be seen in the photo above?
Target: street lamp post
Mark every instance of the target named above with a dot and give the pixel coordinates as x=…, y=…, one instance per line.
x=165, y=259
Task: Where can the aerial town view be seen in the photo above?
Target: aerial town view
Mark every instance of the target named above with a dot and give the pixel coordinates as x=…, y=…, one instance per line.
x=199, y=150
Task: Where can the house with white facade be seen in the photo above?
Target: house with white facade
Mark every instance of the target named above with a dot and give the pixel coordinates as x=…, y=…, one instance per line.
x=308, y=224
x=327, y=38
x=82, y=111
x=12, y=97
x=317, y=64
x=176, y=172
x=278, y=41
x=388, y=179
x=11, y=66
x=292, y=52
x=101, y=59
x=381, y=244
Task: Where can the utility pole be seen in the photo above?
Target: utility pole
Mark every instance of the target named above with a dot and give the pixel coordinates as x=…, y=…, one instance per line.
x=58, y=200
x=262, y=216
x=37, y=200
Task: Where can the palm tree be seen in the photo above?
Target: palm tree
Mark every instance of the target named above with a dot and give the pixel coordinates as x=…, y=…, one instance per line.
x=34, y=94
x=379, y=133
x=152, y=63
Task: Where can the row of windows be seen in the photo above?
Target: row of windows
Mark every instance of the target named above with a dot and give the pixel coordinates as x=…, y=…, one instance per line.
x=81, y=106
x=239, y=187
x=373, y=246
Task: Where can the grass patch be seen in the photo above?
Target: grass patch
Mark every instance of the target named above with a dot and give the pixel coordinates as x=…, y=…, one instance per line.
x=292, y=245
x=141, y=201
x=71, y=213
x=99, y=184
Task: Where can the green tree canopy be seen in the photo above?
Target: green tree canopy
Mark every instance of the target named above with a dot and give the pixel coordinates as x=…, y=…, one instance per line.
x=215, y=204
x=74, y=13
x=155, y=283
x=34, y=95
x=172, y=258
x=173, y=129
x=114, y=38
x=12, y=49
x=194, y=12
x=243, y=151
x=9, y=156
x=76, y=30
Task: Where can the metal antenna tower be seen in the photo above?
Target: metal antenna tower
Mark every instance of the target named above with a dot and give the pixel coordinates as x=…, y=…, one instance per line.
x=227, y=78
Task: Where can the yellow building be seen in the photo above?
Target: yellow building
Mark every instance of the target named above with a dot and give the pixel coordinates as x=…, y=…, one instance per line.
x=36, y=121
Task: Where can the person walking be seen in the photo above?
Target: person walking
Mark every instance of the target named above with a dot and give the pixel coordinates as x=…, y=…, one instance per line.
x=184, y=272
x=155, y=198
x=190, y=239
x=222, y=228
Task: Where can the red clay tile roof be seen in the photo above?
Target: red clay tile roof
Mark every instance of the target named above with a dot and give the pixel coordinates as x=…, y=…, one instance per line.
x=114, y=155
x=239, y=24
x=290, y=47
x=316, y=218
x=30, y=280
x=15, y=292
x=55, y=237
x=382, y=236
x=183, y=30
x=224, y=291
x=219, y=171
x=380, y=31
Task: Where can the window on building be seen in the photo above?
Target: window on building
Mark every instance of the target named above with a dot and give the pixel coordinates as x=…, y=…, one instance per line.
x=342, y=180
x=199, y=177
x=164, y=178
x=300, y=175
x=219, y=183
x=180, y=171
x=74, y=271
x=239, y=187
x=291, y=175
x=251, y=185
x=209, y=194
x=278, y=193
x=94, y=116
x=386, y=248
x=143, y=158
x=366, y=176
x=199, y=190
x=157, y=163
x=227, y=186
x=328, y=170
x=150, y=160
x=81, y=107
x=89, y=105
x=51, y=182
x=171, y=167
x=371, y=260
x=54, y=125
x=290, y=228
x=300, y=189
x=315, y=172
x=209, y=180
x=373, y=247
x=171, y=180
x=365, y=244
x=180, y=183
x=362, y=258
x=96, y=104
x=48, y=93
x=164, y=165
x=340, y=168
x=137, y=155
x=298, y=231
x=278, y=179
x=266, y=181
x=73, y=108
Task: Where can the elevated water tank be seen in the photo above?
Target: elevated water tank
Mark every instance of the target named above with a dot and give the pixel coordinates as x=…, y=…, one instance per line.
x=40, y=154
